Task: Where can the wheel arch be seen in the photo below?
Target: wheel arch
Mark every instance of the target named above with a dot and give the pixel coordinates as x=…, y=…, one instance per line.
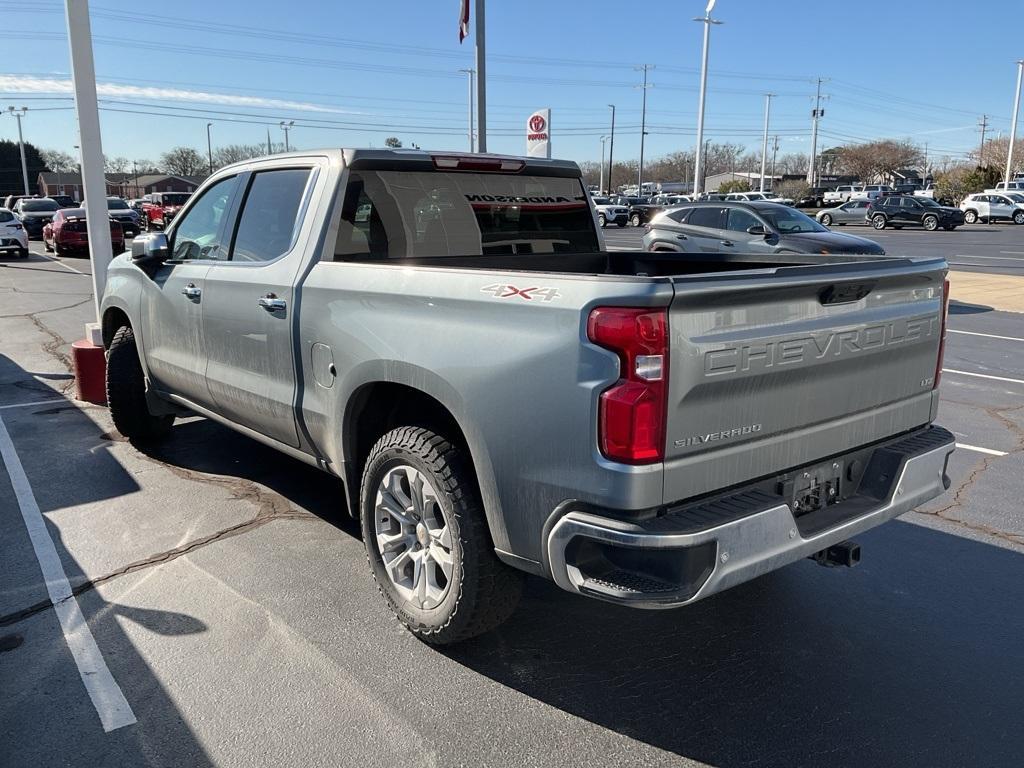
x=113, y=318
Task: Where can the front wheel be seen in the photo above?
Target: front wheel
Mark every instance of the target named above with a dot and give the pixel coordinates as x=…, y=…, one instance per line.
x=635, y=220
x=931, y=223
x=878, y=222
x=601, y=221
x=427, y=541
x=1018, y=217
x=970, y=217
x=826, y=220
x=126, y=391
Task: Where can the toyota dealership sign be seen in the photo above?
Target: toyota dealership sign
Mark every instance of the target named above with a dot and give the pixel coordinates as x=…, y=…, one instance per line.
x=538, y=134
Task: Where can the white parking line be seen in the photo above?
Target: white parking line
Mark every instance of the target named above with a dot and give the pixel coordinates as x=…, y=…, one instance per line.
x=1019, y=253
x=37, y=402
x=986, y=335
x=983, y=376
x=975, y=448
x=986, y=258
x=106, y=695
x=61, y=263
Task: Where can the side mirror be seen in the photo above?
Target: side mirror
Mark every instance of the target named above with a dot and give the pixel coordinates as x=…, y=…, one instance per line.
x=757, y=229
x=150, y=250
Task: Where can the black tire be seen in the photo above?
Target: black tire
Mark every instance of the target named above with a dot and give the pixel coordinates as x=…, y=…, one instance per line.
x=483, y=591
x=1018, y=217
x=601, y=221
x=635, y=219
x=126, y=391
x=970, y=217
x=826, y=220
x=57, y=249
x=46, y=246
x=878, y=221
x=23, y=253
x=930, y=223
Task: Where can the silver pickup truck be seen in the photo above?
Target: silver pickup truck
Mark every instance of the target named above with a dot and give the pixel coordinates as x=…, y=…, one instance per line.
x=500, y=394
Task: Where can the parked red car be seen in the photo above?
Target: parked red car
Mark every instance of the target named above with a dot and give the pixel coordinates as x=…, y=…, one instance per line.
x=67, y=233
x=160, y=208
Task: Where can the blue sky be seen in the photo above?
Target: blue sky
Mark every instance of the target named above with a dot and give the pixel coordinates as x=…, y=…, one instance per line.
x=352, y=73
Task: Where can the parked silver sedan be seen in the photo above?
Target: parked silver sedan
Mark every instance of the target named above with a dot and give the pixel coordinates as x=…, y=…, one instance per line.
x=853, y=212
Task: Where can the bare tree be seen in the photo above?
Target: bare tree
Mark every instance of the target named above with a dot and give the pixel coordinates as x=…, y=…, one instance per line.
x=877, y=158
x=58, y=161
x=116, y=164
x=393, y=142
x=183, y=161
x=995, y=154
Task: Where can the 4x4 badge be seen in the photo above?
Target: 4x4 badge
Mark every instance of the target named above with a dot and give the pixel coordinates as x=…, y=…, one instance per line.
x=528, y=294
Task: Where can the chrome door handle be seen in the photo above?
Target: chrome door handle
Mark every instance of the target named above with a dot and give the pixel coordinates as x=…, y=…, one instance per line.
x=190, y=291
x=725, y=242
x=271, y=303
x=681, y=237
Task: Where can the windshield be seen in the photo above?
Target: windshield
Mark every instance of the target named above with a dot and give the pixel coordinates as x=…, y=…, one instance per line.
x=36, y=206
x=179, y=198
x=116, y=205
x=602, y=201
x=401, y=214
x=789, y=221
x=1016, y=197
x=927, y=202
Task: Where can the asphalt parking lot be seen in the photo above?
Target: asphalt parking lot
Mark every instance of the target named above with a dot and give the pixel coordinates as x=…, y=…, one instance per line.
x=231, y=605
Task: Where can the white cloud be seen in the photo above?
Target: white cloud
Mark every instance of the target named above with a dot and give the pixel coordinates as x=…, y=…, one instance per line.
x=56, y=85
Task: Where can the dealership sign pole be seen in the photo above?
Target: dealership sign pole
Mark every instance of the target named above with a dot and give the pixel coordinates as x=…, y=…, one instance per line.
x=1013, y=126
x=538, y=134
x=88, y=353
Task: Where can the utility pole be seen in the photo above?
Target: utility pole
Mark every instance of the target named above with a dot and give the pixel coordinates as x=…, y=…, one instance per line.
x=469, y=77
x=816, y=113
x=600, y=185
x=286, y=126
x=707, y=21
x=481, y=79
x=611, y=149
x=1013, y=124
x=775, y=151
x=20, y=113
x=270, y=151
x=764, y=139
x=983, y=124
x=643, y=128
x=926, y=173
x=209, y=147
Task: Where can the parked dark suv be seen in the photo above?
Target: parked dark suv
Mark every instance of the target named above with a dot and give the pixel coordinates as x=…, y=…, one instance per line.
x=898, y=211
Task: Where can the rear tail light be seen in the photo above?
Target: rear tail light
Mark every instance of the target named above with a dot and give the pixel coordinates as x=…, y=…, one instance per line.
x=632, y=412
x=942, y=332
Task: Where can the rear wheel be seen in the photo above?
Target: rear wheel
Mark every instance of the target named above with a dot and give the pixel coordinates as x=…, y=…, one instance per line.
x=23, y=253
x=970, y=217
x=878, y=222
x=427, y=540
x=1018, y=217
x=126, y=391
x=635, y=219
x=826, y=219
x=46, y=245
x=931, y=223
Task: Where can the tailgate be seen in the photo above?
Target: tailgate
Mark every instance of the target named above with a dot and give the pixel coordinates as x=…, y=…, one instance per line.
x=776, y=369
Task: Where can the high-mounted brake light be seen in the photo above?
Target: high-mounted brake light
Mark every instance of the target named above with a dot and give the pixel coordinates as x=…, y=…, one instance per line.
x=632, y=412
x=477, y=163
x=942, y=332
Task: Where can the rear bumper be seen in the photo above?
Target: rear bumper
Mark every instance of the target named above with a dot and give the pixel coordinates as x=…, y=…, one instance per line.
x=695, y=550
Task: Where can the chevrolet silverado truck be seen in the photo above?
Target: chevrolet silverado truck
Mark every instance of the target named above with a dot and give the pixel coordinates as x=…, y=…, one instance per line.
x=500, y=395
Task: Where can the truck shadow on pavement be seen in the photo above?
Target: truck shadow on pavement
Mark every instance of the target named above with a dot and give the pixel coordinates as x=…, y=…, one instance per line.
x=912, y=659
x=46, y=717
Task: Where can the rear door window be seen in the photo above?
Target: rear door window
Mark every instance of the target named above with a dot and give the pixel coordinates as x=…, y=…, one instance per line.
x=417, y=214
x=679, y=215
x=709, y=216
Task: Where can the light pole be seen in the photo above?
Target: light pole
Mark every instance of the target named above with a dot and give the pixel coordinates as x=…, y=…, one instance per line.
x=707, y=21
x=1013, y=124
x=469, y=76
x=209, y=147
x=286, y=126
x=643, y=129
x=600, y=186
x=816, y=114
x=20, y=113
x=481, y=77
x=611, y=149
x=764, y=139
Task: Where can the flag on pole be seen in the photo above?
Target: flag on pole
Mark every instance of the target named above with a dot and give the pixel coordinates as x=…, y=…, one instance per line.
x=463, y=20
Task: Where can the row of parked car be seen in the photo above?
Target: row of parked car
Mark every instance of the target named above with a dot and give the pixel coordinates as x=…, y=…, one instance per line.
x=620, y=210
x=60, y=222
x=898, y=211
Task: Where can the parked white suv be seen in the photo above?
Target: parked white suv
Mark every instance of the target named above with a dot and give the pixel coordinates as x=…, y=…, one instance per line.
x=13, y=236
x=609, y=212
x=989, y=206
